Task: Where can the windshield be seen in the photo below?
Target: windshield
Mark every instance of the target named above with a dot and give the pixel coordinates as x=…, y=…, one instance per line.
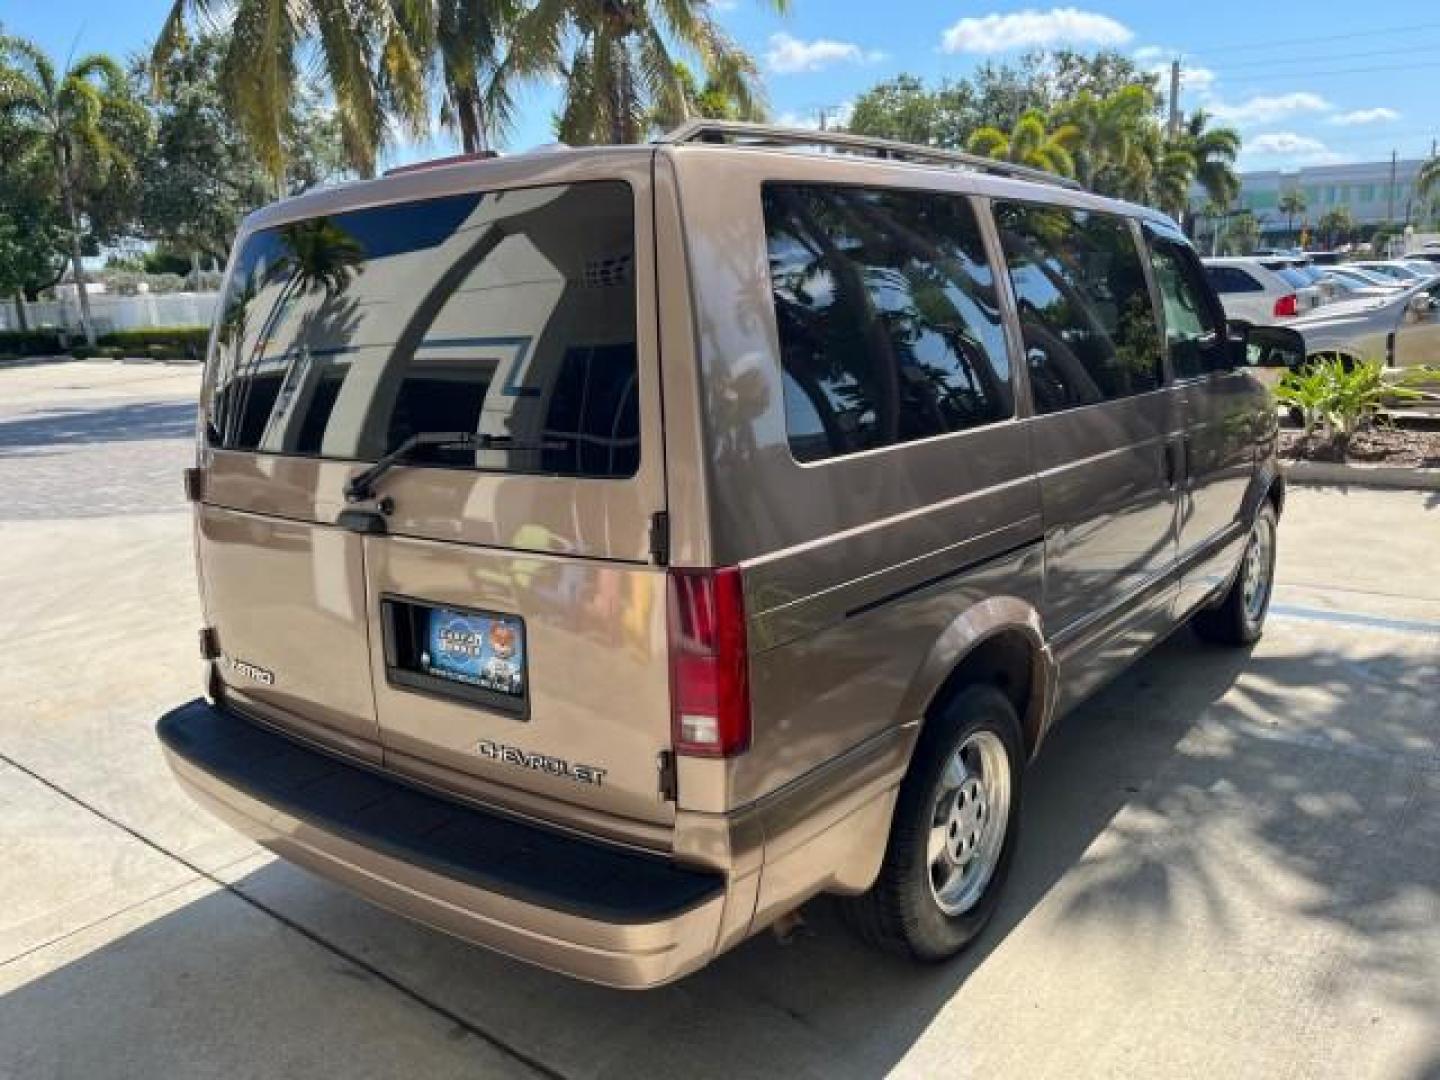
x=509, y=315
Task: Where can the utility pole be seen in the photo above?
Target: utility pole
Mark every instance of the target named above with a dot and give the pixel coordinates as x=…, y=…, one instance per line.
x=1174, y=99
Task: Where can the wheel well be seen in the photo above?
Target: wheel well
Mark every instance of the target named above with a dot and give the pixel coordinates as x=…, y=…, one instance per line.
x=1006, y=660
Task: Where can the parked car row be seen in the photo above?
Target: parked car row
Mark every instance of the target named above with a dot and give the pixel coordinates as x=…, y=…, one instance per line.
x=1380, y=309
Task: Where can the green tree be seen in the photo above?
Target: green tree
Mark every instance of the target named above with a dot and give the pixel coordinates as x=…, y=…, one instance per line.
x=1213, y=150
x=67, y=119
x=1110, y=157
x=1243, y=235
x=1336, y=225
x=371, y=55
x=1291, y=204
x=469, y=42
x=1428, y=180
x=201, y=176
x=1030, y=142
x=903, y=108
x=617, y=58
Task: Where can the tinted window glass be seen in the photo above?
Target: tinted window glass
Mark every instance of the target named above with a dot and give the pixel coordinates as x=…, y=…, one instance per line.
x=888, y=319
x=506, y=314
x=1194, y=331
x=1291, y=276
x=1089, y=327
x=1231, y=279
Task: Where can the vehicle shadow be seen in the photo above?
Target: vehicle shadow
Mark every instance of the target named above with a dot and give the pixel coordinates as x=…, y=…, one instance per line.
x=46, y=428
x=1154, y=804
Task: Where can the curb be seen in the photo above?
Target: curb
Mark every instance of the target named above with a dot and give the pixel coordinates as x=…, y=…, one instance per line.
x=1377, y=476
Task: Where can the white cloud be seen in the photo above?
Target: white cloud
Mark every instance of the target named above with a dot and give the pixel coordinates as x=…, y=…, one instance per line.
x=1267, y=108
x=1033, y=29
x=788, y=55
x=1365, y=116
x=724, y=5
x=1296, y=149
x=1285, y=142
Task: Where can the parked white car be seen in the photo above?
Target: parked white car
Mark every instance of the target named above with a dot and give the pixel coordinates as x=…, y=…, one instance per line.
x=1261, y=291
x=1358, y=284
x=1400, y=270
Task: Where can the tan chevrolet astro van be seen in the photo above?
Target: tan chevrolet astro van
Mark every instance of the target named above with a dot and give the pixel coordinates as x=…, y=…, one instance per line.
x=605, y=551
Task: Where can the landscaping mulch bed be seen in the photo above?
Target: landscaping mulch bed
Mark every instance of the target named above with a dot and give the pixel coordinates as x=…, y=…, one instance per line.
x=1405, y=447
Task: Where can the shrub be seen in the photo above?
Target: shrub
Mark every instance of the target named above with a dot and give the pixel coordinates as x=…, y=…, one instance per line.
x=164, y=342
x=1340, y=395
x=30, y=343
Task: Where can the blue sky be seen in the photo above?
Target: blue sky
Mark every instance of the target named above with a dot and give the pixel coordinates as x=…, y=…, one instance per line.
x=1350, y=86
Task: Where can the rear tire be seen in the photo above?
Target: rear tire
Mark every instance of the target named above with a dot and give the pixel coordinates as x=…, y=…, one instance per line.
x=953, y=835
x=1239, y=618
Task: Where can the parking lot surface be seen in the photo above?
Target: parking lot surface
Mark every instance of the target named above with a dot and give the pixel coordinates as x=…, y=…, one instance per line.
x=1230, y=866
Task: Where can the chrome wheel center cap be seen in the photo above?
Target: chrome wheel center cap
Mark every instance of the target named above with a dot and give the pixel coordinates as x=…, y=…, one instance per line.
x=966, y=827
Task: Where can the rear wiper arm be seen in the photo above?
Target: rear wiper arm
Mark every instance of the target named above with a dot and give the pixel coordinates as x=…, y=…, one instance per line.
x=361, y=486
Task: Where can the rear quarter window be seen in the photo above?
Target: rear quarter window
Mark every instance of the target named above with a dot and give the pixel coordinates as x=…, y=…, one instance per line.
x=510, y=314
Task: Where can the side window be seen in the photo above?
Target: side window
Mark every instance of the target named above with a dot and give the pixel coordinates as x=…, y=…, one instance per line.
x=888, y=318
x=1089, y=328
x=1194, y=331
x=1231, y=279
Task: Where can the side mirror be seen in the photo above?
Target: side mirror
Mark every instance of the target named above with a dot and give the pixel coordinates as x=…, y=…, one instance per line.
x=1273, y=346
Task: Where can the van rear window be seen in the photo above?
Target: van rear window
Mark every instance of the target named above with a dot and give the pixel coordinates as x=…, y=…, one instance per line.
x=505, y=313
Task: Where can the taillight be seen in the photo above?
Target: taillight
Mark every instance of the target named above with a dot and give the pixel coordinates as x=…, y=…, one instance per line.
x=1287, y=306
x=709, y=669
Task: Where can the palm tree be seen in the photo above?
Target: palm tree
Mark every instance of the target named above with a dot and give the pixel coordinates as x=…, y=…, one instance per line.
x=1108, y=153
x=372, y=55
x=1429, y=177
x=469, y=39
x=1214, y=150
x=1030, y=142
x=1291, y=202
x=617, y=61
x=59, y=116
x=1336, y=225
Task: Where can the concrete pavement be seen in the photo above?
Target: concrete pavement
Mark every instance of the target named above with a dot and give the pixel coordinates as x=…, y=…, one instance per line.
x=1230, y=867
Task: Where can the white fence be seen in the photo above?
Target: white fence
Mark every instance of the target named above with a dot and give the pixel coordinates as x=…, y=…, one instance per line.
x=114, y=312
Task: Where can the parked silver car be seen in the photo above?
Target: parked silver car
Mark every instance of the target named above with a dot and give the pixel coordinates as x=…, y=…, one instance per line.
x=1402, y=330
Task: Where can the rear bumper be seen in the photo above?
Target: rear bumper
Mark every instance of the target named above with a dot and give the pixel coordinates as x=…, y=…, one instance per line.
x=590, y=910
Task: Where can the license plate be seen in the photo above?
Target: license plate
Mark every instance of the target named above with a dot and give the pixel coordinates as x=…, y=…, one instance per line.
x=481, y=650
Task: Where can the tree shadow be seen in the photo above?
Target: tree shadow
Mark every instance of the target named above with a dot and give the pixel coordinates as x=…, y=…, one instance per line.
x=1298, y=780
x=40, y=431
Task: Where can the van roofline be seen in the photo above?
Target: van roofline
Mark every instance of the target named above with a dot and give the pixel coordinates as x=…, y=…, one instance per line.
x=444, y=176
x=549, y=164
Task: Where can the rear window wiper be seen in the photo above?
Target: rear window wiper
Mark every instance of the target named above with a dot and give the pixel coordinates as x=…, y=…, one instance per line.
x=361, y=486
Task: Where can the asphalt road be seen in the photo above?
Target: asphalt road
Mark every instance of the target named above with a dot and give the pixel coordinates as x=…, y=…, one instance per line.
x=1230, y=865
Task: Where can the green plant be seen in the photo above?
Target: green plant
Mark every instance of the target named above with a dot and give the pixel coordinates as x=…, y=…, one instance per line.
x=168, y=342
x=1340, y=395
x=30, y=343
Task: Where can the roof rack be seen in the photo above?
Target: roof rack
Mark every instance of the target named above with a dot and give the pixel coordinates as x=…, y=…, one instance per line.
x=740, y=133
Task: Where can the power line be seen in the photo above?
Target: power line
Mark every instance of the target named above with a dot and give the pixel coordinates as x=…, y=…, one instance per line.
x=1220, y=69
x=1324, y=73
x=1252, y=44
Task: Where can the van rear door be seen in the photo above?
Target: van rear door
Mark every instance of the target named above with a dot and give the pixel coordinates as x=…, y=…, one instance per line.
x=503, y=339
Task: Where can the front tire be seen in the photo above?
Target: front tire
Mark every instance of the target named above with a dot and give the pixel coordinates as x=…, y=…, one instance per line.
x=954, y=833
x=1239, y=618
